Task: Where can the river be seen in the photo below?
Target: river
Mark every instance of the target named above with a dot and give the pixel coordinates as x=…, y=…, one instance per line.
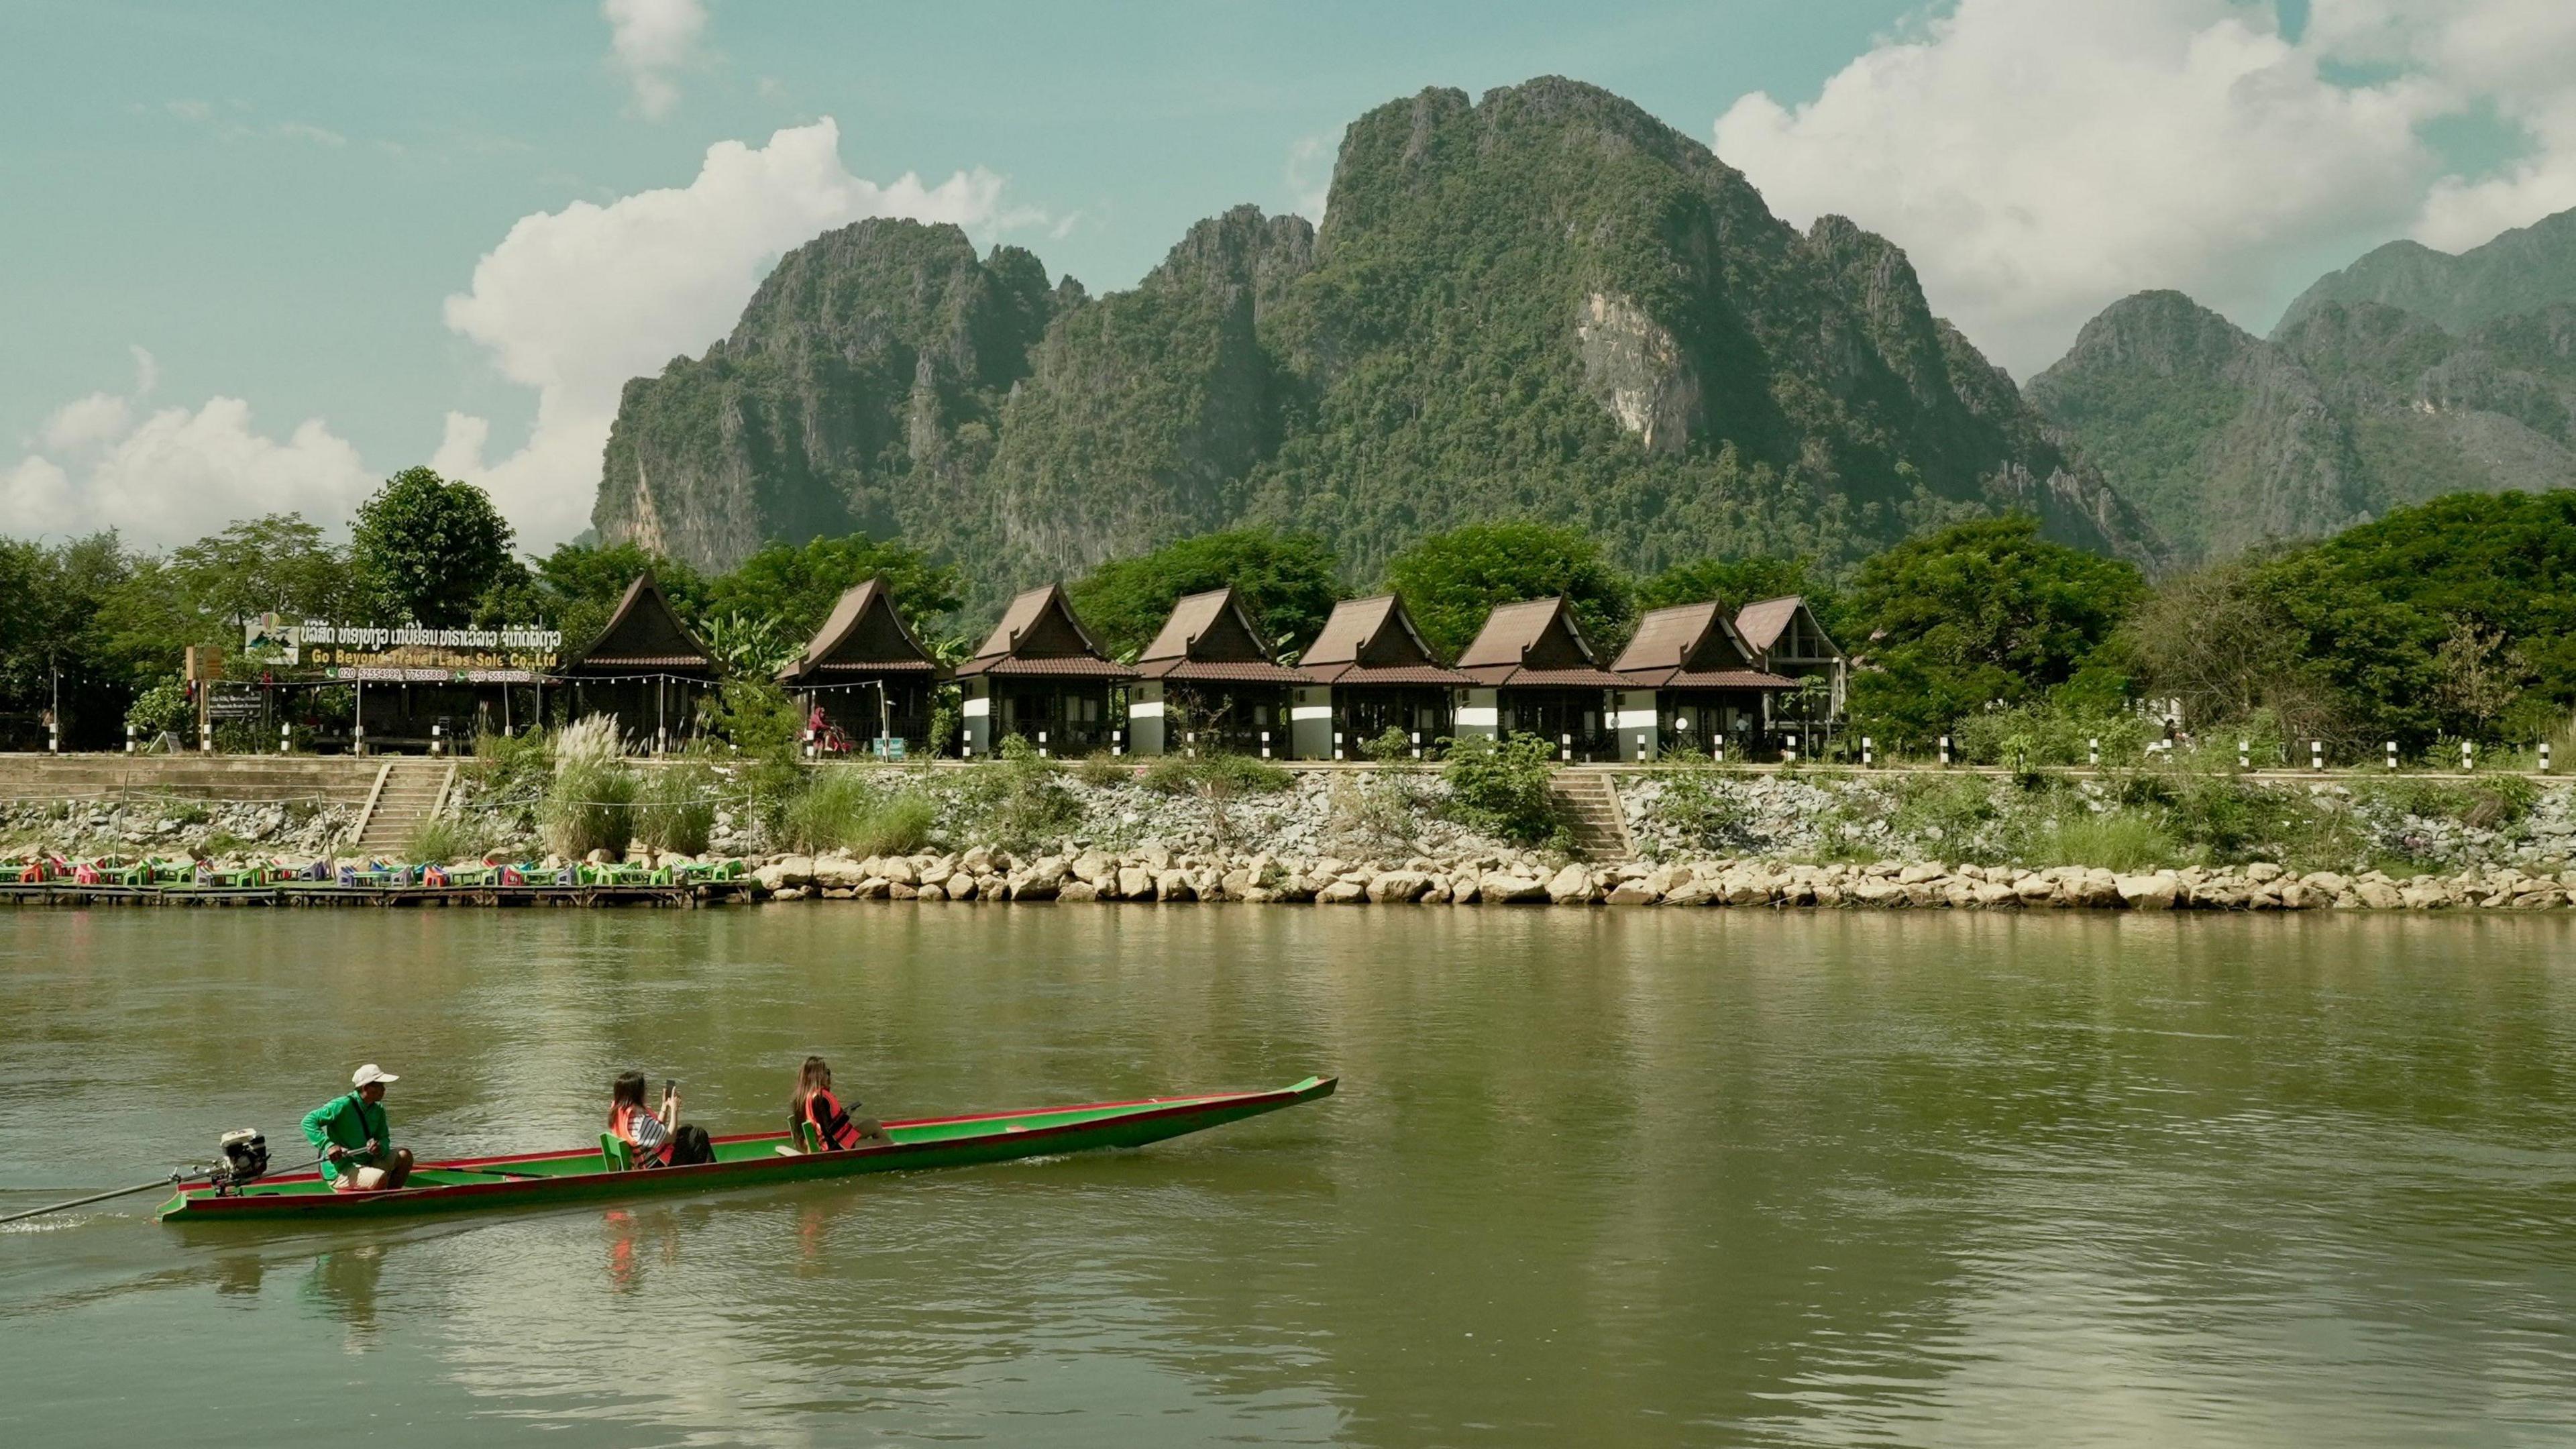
x=1592, y=1177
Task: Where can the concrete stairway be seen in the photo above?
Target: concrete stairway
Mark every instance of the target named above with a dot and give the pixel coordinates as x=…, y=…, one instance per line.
x=410, y=790
x=1592, y=813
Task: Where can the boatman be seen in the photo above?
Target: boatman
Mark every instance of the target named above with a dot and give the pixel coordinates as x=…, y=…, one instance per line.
x=357, y=1148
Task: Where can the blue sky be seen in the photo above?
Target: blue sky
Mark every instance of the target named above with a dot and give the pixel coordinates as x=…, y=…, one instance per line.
x=276, y=202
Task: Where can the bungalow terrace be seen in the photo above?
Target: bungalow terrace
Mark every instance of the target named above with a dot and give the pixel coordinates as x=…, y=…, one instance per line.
x=646, y=670
x=1691, y=684
x=1208, y=683
x=1529, y=672
x=1368, y=672
x=1786, y=640
x=865, y=676
x=1040, y=675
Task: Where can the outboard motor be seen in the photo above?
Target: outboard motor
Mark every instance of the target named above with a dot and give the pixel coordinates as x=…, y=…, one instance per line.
x=242, y=1158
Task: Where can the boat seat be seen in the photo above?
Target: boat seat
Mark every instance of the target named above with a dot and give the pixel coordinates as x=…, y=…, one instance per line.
x=809, y=1138
x=613, y=1153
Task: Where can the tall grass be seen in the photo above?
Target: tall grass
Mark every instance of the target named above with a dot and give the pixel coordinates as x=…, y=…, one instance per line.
x=675, y=807
x=590, y=804
x=443, y=840
x=846, y=809
x=2120, y=840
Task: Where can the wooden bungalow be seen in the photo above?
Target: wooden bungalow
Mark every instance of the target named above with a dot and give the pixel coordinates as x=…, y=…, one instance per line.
x=1041, y=676
x=1786, y=640
x=646, y=670
x=1209, y=684
x=1692, y=686
x=1368, y=672
x=1529, y=672
x=864, y=681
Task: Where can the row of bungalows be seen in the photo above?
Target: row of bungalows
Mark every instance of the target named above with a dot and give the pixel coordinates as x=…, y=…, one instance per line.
x=1692, y=680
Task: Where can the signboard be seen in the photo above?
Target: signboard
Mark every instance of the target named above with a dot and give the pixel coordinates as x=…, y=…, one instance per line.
x=232, y=701
x=414, y=654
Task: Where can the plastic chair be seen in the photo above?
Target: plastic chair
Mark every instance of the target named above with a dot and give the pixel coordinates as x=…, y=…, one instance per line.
x=614, y=1154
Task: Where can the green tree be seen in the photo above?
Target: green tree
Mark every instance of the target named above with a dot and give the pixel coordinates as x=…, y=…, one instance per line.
x=1978, y=612
x=1451, y=581
x=1286, y=582
x=274, y=563
x=793, y=586
x=430, y=547
x=575, y=586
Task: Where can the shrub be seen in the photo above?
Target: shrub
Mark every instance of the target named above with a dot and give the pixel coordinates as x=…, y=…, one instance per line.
x=1392, y=744
x=162, y=709
x=675, y=807
x=1501, y=787
x=1215, y=776
x=1953, y=812
x=509, y=766
x=1019, y=800
x=2043, y=733
x=1704, y=810
x=1374, y=814
x=1101, y=771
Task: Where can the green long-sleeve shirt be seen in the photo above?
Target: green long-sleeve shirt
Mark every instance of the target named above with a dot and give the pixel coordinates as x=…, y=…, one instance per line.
x=348, y=1121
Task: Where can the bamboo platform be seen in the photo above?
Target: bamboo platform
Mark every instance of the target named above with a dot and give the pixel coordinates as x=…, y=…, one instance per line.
x=321, y=893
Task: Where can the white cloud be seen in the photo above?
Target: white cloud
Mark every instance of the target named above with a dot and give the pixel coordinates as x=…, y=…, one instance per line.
x=575, y=302
x=2038, y=160
x=177, y=475
x=650, y=39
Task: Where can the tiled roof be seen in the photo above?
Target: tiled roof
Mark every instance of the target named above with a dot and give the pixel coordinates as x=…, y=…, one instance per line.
x=1761, y=623
x=1071, y=666
x=1512, y=676
x=840, y=632
x=1509, y=632
x=643, y=631
x=1705, y=679
x=1362, y=676
x=1219, y=671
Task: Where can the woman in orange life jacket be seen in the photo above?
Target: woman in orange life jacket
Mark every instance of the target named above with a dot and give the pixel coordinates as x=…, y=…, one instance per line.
x=657, y=1139
x=815, y=1103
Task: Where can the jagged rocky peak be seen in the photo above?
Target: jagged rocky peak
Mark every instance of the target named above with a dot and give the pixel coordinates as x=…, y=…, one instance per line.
x=1241, y=250
x=2162, y=331
x=2520, y=271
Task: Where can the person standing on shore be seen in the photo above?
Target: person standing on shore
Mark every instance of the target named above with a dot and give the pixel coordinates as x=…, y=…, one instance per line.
x=355, y=1141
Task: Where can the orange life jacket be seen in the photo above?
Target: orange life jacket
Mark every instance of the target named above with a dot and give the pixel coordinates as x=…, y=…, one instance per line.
x=832, y=1124
x=624, y=1127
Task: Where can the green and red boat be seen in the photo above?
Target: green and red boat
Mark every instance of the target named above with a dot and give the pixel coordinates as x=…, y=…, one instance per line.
x=473, y=1183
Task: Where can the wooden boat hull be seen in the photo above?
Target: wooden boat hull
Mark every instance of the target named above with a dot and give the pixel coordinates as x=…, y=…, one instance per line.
x=475, y=1183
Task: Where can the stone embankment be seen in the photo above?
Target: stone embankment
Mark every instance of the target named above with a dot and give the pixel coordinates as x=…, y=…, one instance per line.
x=985, y=874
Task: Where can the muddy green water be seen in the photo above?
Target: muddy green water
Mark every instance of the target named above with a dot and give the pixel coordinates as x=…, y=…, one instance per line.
x=1593, y=1178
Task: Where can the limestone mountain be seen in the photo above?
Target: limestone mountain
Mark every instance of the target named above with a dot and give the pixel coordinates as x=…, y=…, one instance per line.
x=1545, y=303
x=2225, y=440
x=2520, y=272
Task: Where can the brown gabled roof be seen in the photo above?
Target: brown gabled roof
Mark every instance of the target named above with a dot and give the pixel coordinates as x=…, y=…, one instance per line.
x=1373, y=641
x=1761, y=624
x=1209, y=637
x=1039, y=630
x=644, y=635
x=1691, y=646
x=863, y=635
x=1532, y=643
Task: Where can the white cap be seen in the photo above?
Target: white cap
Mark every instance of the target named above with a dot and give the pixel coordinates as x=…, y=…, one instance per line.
x=371, y=1073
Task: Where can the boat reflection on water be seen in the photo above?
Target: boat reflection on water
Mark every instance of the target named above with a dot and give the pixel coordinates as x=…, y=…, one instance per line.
x=637, y=1236
x=343, y=1284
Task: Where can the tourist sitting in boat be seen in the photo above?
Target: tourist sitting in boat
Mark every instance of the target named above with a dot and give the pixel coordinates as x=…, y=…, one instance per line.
x=656, y=1139
x=351, y=1134
x=834, y=1128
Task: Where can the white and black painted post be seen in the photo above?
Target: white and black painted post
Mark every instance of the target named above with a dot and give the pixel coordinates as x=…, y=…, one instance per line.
x=2093, y=752
x=1789, y=752
x=1717, y=752
x=1265, y=744
x=1190, y=743
x=285, y=738
x=2392, y=754
x=1337, y=744
x=1565, y=749
x=129, y=737
x=2317, y=755
x=2468, y=761
x=438, y=739
x=2244, y=755
x=1042, y=749
x=2544, y=757
x=206, y=738
x=1945, y=751
x=1868, y=752
x=1417, y=744
x=53, y=737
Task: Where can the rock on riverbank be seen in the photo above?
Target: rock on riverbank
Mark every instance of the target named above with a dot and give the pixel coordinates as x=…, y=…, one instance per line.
x=986, y=874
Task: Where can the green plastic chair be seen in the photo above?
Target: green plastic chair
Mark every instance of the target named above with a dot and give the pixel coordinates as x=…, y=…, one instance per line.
x=613, y=1153
x=809, y=1137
